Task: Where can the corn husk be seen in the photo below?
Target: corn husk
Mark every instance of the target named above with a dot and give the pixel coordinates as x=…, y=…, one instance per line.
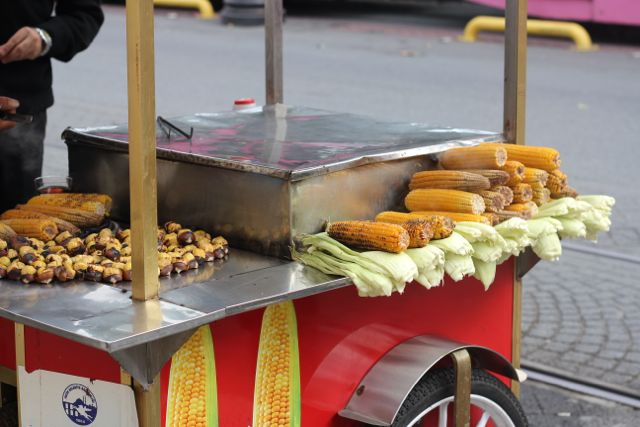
x=548, y=247
x=454, y=244
x=458, y=266
x=485, y=272
x=430, y=263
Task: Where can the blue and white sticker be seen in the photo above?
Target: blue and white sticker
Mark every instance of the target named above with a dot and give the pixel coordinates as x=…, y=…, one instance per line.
x=79, y=404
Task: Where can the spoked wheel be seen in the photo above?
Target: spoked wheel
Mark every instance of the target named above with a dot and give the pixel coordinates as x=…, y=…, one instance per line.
x=430, y=403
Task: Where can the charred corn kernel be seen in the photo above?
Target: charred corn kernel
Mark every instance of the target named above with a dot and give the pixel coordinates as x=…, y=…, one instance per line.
x=515, y=170
x=22, y=214
x=38, y=228
x=276, y=400
x=534, y=157
x=75, y=200
x=441, y=222
x=567, y=191
x=496, y=177
x=505, y=215
x=493, y=201
x=449, y=179
x=77, y=217
x=522, y=193
x=557, y=181
x=370, y=235
x=506, y=193
x=192, y=392
x=542, y=196
x=527, y=209
x=483, y=156
x=535, y=176
x=454, y=216
x=444, y=200
x=420, y=232
x=492, y=217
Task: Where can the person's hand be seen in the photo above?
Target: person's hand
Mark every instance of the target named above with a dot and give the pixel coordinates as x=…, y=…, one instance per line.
x=9, y=105
x=24, y=44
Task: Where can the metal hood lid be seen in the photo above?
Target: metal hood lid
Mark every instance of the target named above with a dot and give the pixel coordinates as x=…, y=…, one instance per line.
x=289, y=142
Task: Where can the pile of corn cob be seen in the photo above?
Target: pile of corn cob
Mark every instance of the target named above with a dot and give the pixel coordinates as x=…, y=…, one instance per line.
x=101, y=257
x=488, y=183
x=45, y=216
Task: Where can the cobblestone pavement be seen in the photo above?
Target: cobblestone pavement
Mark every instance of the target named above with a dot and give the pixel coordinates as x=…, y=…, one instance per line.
x=548, y=406
x=580, y=314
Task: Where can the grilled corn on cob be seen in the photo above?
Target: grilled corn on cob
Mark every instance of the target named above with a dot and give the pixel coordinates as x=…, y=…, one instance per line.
x=483, y=156
x=22, y=214
x=42, y=229
x=444, y=200
x=370, y=235
x=449, y=179
x=77, y=217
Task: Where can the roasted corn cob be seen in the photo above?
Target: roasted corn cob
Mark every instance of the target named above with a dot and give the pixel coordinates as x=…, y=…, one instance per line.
x=496, y=177
x=77, y=217
x=449, y=179
x=370, y=235
x=441, y=222
x=522, y=193
x=22, y=214
x=42, y=229
x=534, y=157
x=515, y=170
x=527, y=209
x=535, y=176
x=492, y=217
x=444, y=200
x=75, y=200
x=506, y=193
x=483, y=156
x=567, y=191
x=454, y=216
x=493, y=201
x=542, y=196
x=557, y=181
x=420, y=232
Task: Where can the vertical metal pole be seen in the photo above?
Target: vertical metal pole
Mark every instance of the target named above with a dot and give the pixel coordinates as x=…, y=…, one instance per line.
x=142, y=176
x=20, y=359
x=273, y=49
x=142, y=148
x=462, y=397
x=515, y=63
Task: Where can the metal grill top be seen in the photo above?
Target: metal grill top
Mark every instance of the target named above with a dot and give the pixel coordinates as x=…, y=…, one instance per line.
x=289, y=142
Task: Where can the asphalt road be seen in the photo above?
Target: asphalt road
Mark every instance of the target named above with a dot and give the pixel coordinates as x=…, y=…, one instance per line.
x=405, y=64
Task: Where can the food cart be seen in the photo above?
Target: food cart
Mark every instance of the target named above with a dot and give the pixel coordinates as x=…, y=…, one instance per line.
x=258, y=339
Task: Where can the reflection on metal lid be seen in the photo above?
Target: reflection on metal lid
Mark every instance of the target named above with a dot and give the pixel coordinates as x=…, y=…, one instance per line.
x=292, y=142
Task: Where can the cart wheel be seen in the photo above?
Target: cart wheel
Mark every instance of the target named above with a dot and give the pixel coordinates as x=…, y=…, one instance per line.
x=9, y=415
x=430, y=403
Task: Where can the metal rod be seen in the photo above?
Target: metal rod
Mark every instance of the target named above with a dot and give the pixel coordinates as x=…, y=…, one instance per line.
x=462, y=399
x=580, y=384
x=515, y=63
x=20, y=359
x=273, y=50
x=142, y=148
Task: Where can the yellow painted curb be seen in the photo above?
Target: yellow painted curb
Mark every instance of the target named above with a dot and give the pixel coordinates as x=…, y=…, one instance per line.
x=204, y=6
x=571, y=30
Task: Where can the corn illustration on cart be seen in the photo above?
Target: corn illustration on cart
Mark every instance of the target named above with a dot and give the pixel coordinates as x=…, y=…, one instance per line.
x=260, y=340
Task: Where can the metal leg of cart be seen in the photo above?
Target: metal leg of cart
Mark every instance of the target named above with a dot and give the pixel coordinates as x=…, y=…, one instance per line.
x=515, y=61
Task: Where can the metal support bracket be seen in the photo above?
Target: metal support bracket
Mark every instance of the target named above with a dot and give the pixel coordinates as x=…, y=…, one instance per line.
x=525, y=262
x=462, y=398
x=143, y=362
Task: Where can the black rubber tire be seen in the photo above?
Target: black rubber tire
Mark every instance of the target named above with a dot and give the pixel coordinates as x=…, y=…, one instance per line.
x=9, y=415
x=440, y=384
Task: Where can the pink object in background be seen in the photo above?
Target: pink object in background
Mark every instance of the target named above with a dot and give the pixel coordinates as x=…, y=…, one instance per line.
x=626, y=12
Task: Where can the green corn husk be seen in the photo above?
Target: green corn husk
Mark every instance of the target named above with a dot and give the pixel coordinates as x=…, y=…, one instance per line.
x=548, y=247
x=458, y=266
x=485, y=272
x=572, y=228
x=454, y=244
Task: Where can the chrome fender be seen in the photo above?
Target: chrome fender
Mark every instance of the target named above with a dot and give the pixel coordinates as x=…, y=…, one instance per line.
x=380, y=394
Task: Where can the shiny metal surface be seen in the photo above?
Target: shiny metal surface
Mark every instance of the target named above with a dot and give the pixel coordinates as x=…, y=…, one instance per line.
x=106, y=317
x=382, y=391
x=260, y=178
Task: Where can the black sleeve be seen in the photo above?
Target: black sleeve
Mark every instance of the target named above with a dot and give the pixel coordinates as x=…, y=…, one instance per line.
x=73, y=27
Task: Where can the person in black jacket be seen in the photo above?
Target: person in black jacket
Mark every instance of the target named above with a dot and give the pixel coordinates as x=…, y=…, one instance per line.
x=31, y=33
